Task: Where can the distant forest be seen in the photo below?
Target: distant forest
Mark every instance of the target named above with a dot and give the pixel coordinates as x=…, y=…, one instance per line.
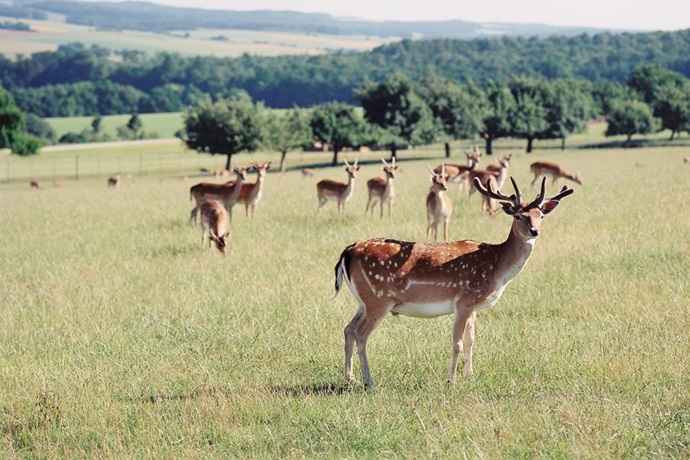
x=75, y=81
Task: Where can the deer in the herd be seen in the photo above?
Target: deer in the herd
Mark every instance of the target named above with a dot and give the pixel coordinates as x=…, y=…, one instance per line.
x=340, y=192
x=686, y=160
x=553, y=170
x=226, y=194
x=496, y=168
x=35, y=184
x=459, y=174
x=439, y=207
x=214, y=222
x=250, y=194
x=382, y=190
x=114, y=181
x=430, y=280
x=308, y=172
x=498, y=178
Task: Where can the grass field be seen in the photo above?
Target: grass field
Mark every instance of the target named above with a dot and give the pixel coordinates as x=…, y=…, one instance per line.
x=48, y=35
x=164, y=125
x=121, y=338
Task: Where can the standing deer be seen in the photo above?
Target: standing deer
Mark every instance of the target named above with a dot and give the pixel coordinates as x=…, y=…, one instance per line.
x=498, y=179
x=459, y=174
x=250, y=194
x=439, y=207
x=382, y=190
x=214, y=221
x=497, y=168
x=430, y=280
x=35, y=184
x=226, y=194
x=330, y=190
x=545, y=168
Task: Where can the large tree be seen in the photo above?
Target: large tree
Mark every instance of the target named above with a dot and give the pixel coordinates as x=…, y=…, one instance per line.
x=455, y=108
x=11, y=120
x=496, y=107
x=629, y=118
x=339, y=125
x=224, y=127
x=397, y=109
x=287, y=131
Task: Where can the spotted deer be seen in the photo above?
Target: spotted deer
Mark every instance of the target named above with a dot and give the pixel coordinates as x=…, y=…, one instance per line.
x=250, y=194
x=214, y=221
x=429, y=280
x=340, y=192
x=439, y=207
x=553, y=170
x=382, y=190
x=459, y=174
x=226, y=194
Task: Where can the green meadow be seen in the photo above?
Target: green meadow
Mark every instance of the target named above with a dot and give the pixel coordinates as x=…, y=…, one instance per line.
x=121, y=337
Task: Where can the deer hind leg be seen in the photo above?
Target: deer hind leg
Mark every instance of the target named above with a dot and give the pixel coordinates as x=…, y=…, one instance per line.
x=364, y=328
x=322, y=202
x=370, y=201
x=192, y=215
x=350, y=342
x=468, y=341
x=445, y=229
x=460, y=324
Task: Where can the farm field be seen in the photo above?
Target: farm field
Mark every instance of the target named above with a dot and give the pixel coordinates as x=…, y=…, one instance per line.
x=48, y=35
x=121, y=337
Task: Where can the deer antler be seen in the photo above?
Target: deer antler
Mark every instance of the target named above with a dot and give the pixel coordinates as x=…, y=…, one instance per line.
x=490, y=191
x=565, y=191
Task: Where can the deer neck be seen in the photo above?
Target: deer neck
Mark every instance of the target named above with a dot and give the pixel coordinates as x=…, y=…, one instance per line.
x=514, y=253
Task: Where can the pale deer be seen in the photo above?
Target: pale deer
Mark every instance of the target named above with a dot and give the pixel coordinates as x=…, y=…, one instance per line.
x=307, y=172
x=430, y=280
x=439, y=207
x=497, y=168
x=329, y=190
x=382, y=190
x=459, y=174
x=214, y=221
x=553, y=170
x=226, y=194
x=250, y=194
x=114, y=181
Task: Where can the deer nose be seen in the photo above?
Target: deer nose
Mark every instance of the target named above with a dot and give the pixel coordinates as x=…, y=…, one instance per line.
x=534, y=231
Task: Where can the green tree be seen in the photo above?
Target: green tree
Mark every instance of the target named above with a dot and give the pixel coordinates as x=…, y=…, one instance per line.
x=568, y=108
x=39, y=128
x=496, y=107
x=228, y=126
x=339, y=125
x=11, y=119
x=287, y=131
x=395, y=107
x=454, y=108
x=527, y=116
x=673, y=108
x=630, y=117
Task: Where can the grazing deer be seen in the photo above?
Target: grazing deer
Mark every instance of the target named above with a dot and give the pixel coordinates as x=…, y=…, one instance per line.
x=306, y=172
x=545, y=168
x=459, y=174
x=430, y=280
x=214, y=221
x=226, y=194
x=329, y=190
x=35, y=184
x=686, y=160
x=439, y=207
x=382, y=190
x=250, y=194
x=114, y=181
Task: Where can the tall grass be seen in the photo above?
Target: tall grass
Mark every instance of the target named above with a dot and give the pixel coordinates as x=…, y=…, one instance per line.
x=121, y=337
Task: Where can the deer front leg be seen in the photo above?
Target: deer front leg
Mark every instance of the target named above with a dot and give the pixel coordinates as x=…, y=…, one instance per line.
x=468, y=343
x=461, y=318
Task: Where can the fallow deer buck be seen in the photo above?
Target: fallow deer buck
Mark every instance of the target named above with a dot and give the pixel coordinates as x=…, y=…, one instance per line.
x=430, y=280
x=439, y=207
x=553, y=170
x=382, y=190
x=214, y=221
x=226, y=194
x=330, y=190
x=250, y=194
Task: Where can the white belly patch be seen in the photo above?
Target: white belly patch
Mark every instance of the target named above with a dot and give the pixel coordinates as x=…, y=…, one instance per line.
x=424, y=310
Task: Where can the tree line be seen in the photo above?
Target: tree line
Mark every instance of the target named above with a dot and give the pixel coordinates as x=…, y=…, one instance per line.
x=79, y=81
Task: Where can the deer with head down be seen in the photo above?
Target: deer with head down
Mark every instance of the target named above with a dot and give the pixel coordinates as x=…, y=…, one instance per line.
x=226, y=194
x=430, y=280
x=214, y=222
x=553, y=170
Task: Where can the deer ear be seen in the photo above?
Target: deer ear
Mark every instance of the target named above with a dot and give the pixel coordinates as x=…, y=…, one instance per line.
x=549, y=206
x=507, y=208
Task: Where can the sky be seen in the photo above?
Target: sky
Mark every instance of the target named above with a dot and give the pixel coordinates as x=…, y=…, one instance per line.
x=643, y=15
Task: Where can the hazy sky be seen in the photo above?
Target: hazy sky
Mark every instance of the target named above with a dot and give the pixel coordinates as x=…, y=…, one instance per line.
x=618, y=14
